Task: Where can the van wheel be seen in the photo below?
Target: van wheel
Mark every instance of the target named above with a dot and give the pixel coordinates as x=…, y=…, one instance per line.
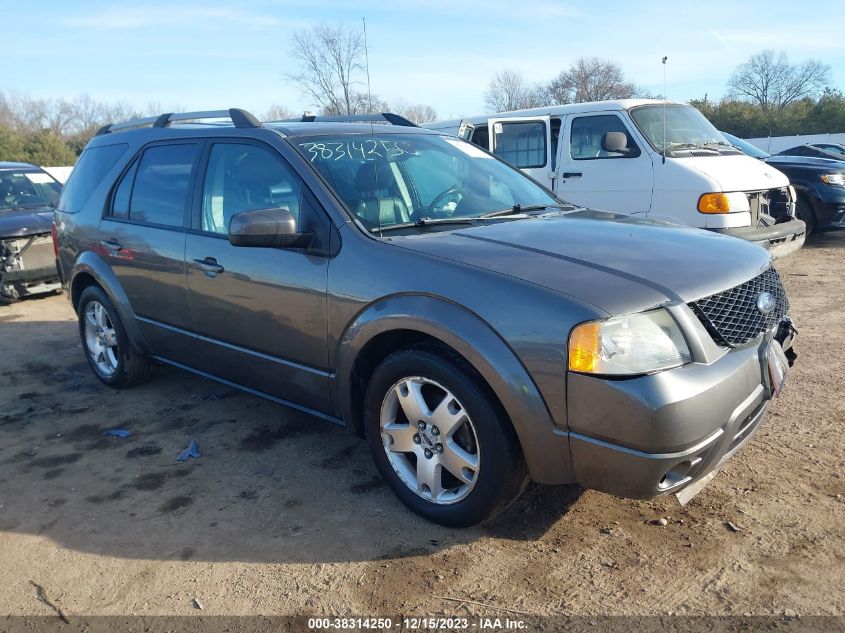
x=804, y=211
x=439, y=441
x=106, y=345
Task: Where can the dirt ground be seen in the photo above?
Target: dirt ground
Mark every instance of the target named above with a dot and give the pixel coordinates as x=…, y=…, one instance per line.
x=285, y=514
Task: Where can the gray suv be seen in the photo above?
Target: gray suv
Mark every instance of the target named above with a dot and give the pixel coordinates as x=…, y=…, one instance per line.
x=476, y=330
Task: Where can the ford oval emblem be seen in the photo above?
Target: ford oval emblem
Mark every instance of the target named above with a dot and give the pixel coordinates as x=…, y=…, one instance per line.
x=766, y=303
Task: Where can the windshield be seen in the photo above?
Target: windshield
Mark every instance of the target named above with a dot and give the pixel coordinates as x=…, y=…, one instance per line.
x=27, y=188
x=833, y=149
x=686, y=130
x=745, y=146
x=396, y=179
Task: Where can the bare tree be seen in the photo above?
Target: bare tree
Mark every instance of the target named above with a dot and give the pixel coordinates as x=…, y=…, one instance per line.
x=415, y=112
x=770, y=81
x=330, y=57
x=591, y=79
x=278, y=112
x=509, y=90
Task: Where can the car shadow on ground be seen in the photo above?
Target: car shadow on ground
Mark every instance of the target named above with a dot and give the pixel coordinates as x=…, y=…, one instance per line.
x=271, y=484
x=826, y=239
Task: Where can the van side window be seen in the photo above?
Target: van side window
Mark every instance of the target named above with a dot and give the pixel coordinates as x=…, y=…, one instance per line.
x=520, y=143
x=481, y=137
x=585, y=139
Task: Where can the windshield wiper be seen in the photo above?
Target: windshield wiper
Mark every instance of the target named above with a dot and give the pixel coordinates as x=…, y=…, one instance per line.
x=692, y=146
x=421, y=223
x=518, y=208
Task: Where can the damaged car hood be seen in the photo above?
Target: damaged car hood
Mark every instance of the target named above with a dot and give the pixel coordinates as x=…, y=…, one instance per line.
x=615, y=262
x=20, y=222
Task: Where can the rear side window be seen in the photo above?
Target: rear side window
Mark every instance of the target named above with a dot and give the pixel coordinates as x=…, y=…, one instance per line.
x=88, y=173
x=521, y=143
x=155, y=189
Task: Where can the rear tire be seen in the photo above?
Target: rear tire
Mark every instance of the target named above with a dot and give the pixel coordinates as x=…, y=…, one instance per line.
x=459, y=473
x=804, y=212
x=105, y=343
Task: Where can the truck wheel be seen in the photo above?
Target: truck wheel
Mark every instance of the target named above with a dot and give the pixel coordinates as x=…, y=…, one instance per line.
x=804, y=211
x=439, y=441
x=106, y=345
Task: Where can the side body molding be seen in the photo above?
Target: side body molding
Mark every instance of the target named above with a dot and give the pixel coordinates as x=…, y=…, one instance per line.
x=91, y=263
x=546, y=448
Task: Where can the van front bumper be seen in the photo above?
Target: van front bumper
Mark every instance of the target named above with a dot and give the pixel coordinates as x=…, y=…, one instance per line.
x=781, y=239
x=651, y=435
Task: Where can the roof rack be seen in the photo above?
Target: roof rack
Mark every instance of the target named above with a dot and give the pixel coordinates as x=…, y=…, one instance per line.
x=240, y=118
x=377, y=117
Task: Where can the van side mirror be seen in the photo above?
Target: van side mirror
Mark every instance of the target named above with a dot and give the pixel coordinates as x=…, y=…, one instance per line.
x=617, y=142
x=274, y=228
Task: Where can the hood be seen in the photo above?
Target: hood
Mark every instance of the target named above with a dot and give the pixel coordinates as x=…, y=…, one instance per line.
x=25, y=222
x=614, y=262
x=736, y=173
x=830, y=164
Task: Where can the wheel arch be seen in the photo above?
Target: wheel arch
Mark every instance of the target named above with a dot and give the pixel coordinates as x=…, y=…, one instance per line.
x=403, y=321
x=90, y=269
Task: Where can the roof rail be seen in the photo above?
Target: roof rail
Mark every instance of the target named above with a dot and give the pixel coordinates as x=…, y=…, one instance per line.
x=377, y=117
x=240, y=118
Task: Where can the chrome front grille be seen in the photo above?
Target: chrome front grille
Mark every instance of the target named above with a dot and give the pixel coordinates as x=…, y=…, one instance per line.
x=733, y=318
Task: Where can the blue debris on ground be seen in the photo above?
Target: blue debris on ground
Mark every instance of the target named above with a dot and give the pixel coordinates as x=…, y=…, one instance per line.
x=193, y=450
x=121, y=433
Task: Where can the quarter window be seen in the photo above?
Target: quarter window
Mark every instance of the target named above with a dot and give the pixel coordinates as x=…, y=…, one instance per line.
x=157, y=186
x=520, y=143
x=585, y=139
x=89, y=172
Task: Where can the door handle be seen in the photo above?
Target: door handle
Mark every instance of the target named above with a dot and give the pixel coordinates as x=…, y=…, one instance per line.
x=208, y=265
x=112, y=246
x=571, y=174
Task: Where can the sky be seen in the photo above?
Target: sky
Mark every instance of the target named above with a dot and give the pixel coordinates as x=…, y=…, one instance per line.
x=209, y=55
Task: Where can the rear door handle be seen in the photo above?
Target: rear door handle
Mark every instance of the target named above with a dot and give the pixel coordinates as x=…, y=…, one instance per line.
x=112, y=246
x=571, y=174
x=208, y=265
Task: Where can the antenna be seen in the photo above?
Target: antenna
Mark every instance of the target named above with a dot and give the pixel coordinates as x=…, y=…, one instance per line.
x=665, y=143
x=372, y=124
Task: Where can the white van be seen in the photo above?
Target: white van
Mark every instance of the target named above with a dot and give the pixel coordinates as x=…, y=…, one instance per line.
x=611, y=155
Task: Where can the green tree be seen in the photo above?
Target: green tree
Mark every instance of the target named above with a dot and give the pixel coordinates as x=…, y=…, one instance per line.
x=11, y=145
x=48, y=148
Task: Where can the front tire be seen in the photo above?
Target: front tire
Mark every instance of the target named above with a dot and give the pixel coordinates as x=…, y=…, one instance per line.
x=804, y=212
x=440, y=441
x=106, y=345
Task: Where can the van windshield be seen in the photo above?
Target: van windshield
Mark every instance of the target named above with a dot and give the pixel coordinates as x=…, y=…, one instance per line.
x=396, y=179
x=688, y=132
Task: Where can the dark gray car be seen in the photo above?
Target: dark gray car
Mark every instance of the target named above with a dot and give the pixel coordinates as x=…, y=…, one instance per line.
x=475, y=329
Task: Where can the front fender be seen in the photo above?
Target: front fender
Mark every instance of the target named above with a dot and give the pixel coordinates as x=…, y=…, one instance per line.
x=545, y=447
x=92, y=264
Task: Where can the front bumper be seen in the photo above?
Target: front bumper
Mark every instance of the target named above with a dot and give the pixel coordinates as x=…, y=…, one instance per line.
x=647, y=436
x=27, y=266
x=781, y=239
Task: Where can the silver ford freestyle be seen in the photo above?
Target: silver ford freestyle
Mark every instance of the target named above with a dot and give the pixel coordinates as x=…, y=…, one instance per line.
x=475, y=329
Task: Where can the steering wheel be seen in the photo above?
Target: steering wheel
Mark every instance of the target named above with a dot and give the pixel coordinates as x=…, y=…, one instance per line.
x=443, y=194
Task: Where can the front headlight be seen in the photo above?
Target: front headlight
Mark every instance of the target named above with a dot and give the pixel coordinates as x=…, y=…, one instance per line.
x=634, y=344
x=723, y=202
x=833, y=179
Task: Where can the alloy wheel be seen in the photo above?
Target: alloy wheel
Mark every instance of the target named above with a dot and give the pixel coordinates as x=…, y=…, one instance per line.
x=101, y=338
x=430, y=440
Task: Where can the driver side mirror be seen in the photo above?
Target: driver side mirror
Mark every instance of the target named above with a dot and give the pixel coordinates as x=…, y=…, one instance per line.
x=617, y=142
x=274, y=228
